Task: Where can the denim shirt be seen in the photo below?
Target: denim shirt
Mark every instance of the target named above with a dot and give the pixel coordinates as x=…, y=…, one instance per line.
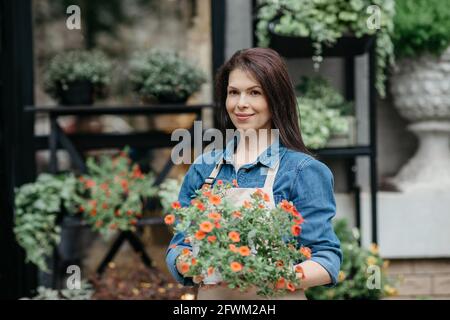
x=305, y=181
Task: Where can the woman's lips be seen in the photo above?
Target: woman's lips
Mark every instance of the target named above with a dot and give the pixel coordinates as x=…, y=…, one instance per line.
x=243, y=116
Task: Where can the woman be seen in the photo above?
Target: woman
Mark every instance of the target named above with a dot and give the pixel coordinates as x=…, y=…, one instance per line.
x=255, y=95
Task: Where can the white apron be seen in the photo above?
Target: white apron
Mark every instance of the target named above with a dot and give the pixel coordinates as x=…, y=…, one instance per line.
x=208, y=290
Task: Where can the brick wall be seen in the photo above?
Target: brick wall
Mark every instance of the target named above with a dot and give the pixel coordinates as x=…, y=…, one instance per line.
x=421, y=278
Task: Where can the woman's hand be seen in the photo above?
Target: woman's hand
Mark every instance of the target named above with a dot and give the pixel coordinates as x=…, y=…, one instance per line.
x=311, y=274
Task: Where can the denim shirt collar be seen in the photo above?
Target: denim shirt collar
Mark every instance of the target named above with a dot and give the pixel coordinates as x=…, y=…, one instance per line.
x=268, y=157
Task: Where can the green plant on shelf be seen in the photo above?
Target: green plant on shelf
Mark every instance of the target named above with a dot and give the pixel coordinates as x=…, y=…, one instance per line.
x=164, y=76
x=322, y=111
x=73, y=66
x=325, y=21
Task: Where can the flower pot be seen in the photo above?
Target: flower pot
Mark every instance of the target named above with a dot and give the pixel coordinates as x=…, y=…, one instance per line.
x=169, y=122
x=77, y=93
x=421, y=91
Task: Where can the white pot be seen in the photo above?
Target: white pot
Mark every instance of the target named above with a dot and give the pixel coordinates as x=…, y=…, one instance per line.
x=421, y=92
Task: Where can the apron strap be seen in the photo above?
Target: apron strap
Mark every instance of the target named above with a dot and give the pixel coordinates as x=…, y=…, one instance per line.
x=214, y=173
x=271, y=174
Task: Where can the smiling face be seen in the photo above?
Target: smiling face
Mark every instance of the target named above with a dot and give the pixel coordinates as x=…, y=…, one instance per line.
x=246, y=102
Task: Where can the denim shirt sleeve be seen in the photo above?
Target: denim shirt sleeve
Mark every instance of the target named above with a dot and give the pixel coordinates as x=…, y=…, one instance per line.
x=312, y=194
x=191, y=183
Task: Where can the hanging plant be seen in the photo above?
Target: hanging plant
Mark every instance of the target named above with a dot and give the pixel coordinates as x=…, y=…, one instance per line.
x=325, y=21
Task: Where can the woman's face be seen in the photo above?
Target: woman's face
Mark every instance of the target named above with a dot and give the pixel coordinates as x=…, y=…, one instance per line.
x=246, y=102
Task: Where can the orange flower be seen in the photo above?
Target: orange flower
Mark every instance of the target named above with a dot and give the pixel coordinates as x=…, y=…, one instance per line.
x=218, y=226
x=215, y=216
x=298, y=221
x=281, y=283
x=244, y=251
x=200, y=235
x=93, y=212
x=129, y=212
x=93, y=203
x=104, y=186
x=296, y=229
x=81, y=209
x=176, y=205
x=286, y=206
x=200, y=206
x=99, y=223
x=234, y=236
x=215, y=199
x=212, y=239
x=104, y=206
x=266, y=197
x=235, y=183
x=113, y=226
x=219, y=182
x=124, y=184
x=247, y=204
x=259, y=193
x=206, y=226
x=187, y=240
x=117, y=213
x=306, y=252
x=291, y=287
x=172, y=246
x=279, y=263
x=261, y=206
x=206, y=193
x=185, y=251
x=184, y=267
x=90, y=184
x=233, y=248
x=237, y=214
x=236, y=266
x=210, y=271
x=299, y=269
x=193, y=261
x=133, y=222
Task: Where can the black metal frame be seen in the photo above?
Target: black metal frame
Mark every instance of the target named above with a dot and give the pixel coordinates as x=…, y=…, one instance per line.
x=348, y=48
x=17, y=278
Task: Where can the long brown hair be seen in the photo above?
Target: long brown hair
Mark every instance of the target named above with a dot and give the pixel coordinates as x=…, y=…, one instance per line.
x=269, y=69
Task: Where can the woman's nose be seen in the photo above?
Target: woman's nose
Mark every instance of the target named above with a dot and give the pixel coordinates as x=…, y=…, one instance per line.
x=243, y=103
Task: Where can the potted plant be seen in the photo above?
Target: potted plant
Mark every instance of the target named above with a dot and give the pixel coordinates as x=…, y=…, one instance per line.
x=110, y=197
x=252, y=246
x=165, y=77
x=37, y=215
x=420, y=86
x=357, y=268
x=326, y=22
x=326, y=118
x=76, y=77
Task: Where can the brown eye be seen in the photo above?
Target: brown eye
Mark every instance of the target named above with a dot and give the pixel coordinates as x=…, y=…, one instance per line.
x=255, y=93
x=232, y=92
